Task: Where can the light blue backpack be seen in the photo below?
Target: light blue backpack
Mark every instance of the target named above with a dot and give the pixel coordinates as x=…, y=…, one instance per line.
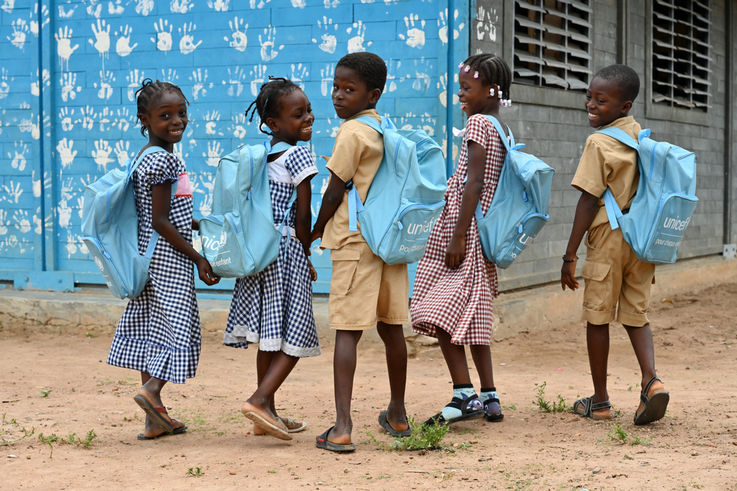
x=239, y=238
x=519, y=208
x=405, y=198
x=110, y=226
x=665, y=198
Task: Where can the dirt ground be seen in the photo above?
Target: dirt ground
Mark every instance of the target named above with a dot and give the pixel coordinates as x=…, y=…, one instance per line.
x=58, y=384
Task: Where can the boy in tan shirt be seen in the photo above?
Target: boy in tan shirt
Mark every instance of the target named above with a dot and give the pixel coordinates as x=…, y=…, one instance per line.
x=617, y=284
x=364, y=291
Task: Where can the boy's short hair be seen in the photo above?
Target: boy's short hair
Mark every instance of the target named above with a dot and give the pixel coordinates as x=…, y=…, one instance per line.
x=370, y=67
x=625, y=78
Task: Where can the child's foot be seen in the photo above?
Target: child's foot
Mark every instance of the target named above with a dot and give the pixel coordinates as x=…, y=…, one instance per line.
x=152, y=431
x=394, y=429
x=653, y=402
x=458, y=409
x=272, y=426
x=293, y=426
x=335, y=443
x=154, y=410
x=587, y=408
x=493, y=409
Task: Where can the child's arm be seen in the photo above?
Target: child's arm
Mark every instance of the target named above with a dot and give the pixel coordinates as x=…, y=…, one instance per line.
x=330, y=202
x=456, y=251
x=195, y=224
x=586, y=209
x=303, y=219
x=160, y=196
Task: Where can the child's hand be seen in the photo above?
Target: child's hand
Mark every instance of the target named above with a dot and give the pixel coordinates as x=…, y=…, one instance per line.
x=313, y=272
x=568, y=276
x=204, y=270
x=316, y=234
x=456, y=252
x=195, y=224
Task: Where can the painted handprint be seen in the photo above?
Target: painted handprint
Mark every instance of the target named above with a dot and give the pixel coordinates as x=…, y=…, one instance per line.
x=330, y=3
x=258, y=77
x=101, y=154
x=238, y=39
x=18, y=37
x=101, y=42
x=235, y=81
x=199, y=82
x=169, y=74
x=66, y=116
x=219, y=5
x=18, y=157
x=69, y=87
x=121, y=152
x=66, y=14
x=134, y=78
x=328, y=39
x=33, y=19
x=258, y=4
x=299, y=4
x=71, y=245
x=20, y=218
x=144, y=7
x=115, y=8
x=94, y=8
x=212, y=157
x=8, y=6
x=485, y=23
x=123, y=119
x=326, y=79
x=66, y=152
x=64, y=213
x=211, y=120
x=298, y=73
x=64, y=46
x=5, y=80
x=239, y=126
x=163, y=39
x=355, y=43
x=105, y=86
x=123, y=44
x=269, y=50
x=180, y=6
x=415, y=36
x=88, y=117
x=186, y=43
x=104, y=118
x=45, y=80
x=3, y=222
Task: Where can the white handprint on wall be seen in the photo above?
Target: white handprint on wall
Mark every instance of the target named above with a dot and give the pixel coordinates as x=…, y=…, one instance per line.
x=163, y=38
x=104, y=118
x=3, y=222
x=123, y=119
x=235, y=81
x=121, y=152
x=11, y=192
x=66, y=152
x=101, y=42
x=45, y=80
x=212, y=157
x=355, y=43
x=88, y=117
x=69, y=87
x=123, y=44
x=66, y=14
x=326, y=79
x=94, y=8
x=66, y=116
x=298, y=74
x=18, y=37
x=199, y=83
x=101, y=154
x=104, y=87
x=258, y=4
x=33, y=19
x=238, y=38
x=7, y=6
x=64, y=46
x=219, y=5
x=239, y=126
x=5, y=80
x=415, y=36
x=144, y=7
x=486, y=23
x=186, y=43
x=18, y=157
x=180, y=6
x=328, y=39
x=115, y=8
x=64, y=213
x=269, y=50
x=134, y=79
x=211, y=120
x=258, y=77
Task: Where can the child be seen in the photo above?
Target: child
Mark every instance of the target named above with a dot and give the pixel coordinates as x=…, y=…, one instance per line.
x=274, y=307
x=159, y=333
x=616, y=282
x=364, y=291
x=455, y=284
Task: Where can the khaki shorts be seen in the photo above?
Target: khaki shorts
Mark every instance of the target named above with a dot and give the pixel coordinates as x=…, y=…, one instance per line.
x=617, y=283
x=365, y=290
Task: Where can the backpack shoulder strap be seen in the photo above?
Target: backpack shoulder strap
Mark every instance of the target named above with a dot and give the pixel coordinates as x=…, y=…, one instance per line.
x=620, y=135
x=368, y=120
x=613, y=212
x=502, y=135
x=132, y=164
x=280, y=147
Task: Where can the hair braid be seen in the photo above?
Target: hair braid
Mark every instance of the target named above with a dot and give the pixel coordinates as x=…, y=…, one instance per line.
x=267, y=101
x=493, y=70
x=149, y=92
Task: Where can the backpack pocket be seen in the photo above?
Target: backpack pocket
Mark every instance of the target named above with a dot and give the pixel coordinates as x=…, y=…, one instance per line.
x=503, y=249
x=407, y=236
x=674, y=215
x=221, y=245
x=128, y=278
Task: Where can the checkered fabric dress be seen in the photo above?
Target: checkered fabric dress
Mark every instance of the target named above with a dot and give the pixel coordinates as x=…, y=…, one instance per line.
x=159, y=332
x=274, y=307
x=459, y=301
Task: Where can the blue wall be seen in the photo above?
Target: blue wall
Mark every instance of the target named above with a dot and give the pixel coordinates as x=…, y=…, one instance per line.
x=69, y=70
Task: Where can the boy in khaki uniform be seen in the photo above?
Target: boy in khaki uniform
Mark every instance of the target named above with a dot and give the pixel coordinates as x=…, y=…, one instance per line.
x=617, y=284
x=364, y=291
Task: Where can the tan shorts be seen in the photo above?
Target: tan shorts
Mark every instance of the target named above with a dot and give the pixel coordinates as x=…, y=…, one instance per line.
x=365, y=290
x=617, y=283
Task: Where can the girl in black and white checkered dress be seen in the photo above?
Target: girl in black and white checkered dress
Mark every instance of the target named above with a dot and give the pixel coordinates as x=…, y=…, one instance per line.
x=274, y=307
x=159, y=333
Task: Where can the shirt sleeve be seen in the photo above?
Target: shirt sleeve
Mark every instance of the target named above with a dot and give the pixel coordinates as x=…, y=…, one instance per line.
x=161, y=167
x=300, y=165
x=346, y=152
x=477, y=130
x=591, y=173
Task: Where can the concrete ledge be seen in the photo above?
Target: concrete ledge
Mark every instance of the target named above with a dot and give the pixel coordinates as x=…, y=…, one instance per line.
x=94, y=310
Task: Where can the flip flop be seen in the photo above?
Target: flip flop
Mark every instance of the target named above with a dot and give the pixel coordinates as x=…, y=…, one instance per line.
x=177, y=431
x=271, y=427
x=157, y=414
x=325, y=444
x=654, y=406
x=293, y=426
x=384, y=422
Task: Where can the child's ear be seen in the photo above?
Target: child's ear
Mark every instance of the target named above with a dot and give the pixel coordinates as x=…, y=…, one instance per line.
x=373, y=96
x=143, y=118
x=272, y=124
x=626, y=106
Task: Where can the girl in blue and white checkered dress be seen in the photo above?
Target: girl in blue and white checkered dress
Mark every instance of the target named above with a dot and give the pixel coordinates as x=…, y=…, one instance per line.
x=159, y=333
x=274, y=307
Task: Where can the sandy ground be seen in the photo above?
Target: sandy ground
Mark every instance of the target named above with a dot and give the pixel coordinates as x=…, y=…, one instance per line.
x=56, y=383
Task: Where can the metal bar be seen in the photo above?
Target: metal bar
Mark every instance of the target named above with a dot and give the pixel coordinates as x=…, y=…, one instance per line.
x=729, y=116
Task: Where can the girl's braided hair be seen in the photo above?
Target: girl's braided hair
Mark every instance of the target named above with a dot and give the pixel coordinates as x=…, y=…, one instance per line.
x=267, y=102
x=148, y=92
x=492, y=70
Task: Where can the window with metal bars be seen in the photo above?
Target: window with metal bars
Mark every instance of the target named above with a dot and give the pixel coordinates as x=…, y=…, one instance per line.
x=680, y=53
x=552, y=43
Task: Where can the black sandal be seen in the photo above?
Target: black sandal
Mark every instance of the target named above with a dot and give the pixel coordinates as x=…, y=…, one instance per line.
x=653, y=407
x=493, y=410
x=470, y=407
x=588, y=407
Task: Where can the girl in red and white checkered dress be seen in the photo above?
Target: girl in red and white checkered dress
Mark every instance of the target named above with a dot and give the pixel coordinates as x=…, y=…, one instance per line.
x=455, y=284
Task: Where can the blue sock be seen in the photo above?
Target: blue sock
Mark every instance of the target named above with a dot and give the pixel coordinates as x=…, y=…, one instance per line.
x=488, y=393
x=461, y=391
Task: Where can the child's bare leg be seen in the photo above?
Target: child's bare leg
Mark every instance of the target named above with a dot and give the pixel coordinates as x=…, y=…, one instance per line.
x=642, y=342
x=263, y=361
x=152, y=386
x=481, y=354
x=279, y=368
x=344, y=369
x=597, y=343
x=455, y=358
x=396, y=365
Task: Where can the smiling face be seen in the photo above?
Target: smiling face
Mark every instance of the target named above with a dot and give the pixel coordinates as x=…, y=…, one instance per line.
x=474, y=95
x=605, y=102
x=350, y=93
x=294, y=122
x=166, y=120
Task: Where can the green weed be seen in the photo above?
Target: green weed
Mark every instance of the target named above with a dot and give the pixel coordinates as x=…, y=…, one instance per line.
x=195, y=472
x=45, y=393
x=423, y=437
x=15, y=427
x=558, y=406
x=619, y=435
x=72, y=439
x=271, y=471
